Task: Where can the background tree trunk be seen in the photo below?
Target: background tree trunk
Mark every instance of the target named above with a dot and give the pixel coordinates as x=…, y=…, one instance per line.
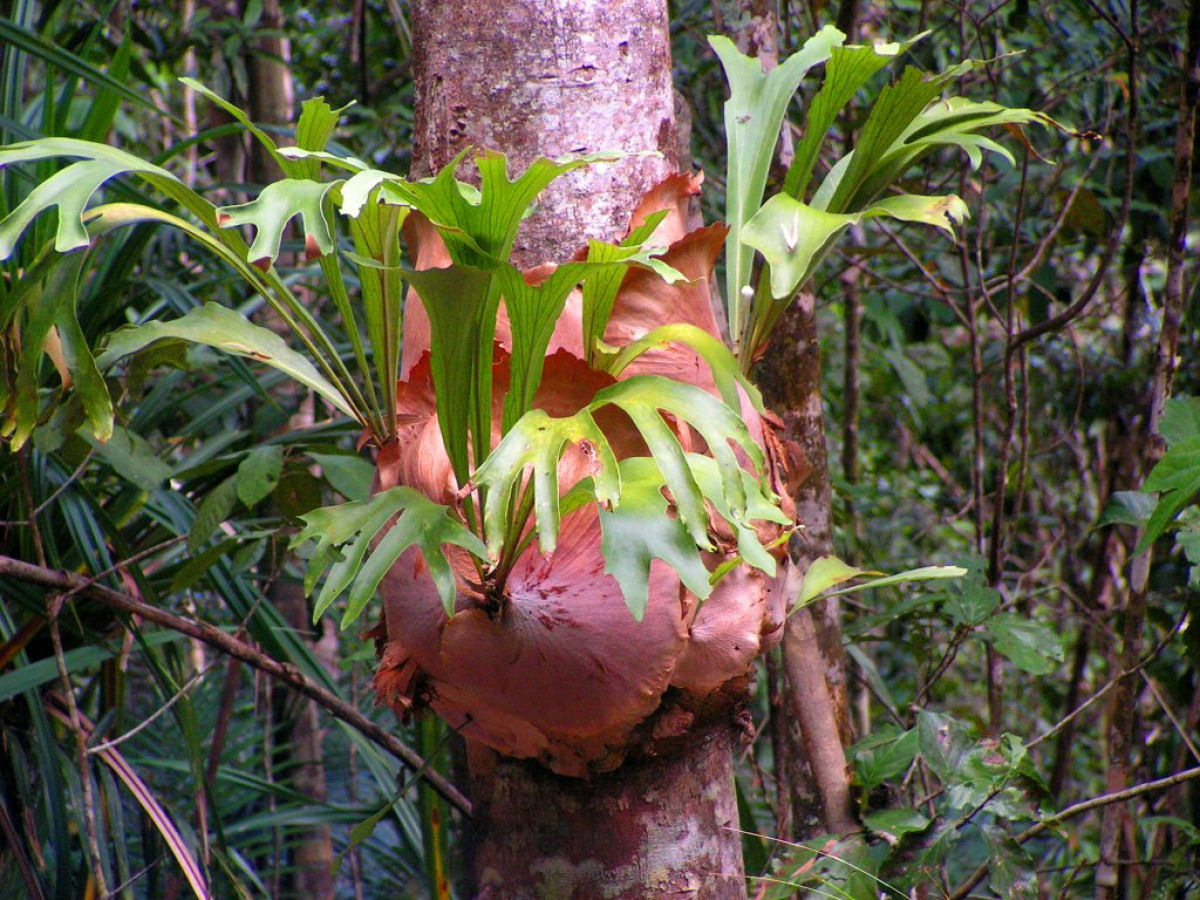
x=809, y=716
x=271, y=101
x=576, y=76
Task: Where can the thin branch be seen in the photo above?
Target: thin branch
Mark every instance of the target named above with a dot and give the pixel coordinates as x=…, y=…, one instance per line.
x=219, y=640
x=54, y=604
x=1071, y=812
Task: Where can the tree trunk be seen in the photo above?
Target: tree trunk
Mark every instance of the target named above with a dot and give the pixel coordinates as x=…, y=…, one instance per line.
x=656, y=827
x=544, y=79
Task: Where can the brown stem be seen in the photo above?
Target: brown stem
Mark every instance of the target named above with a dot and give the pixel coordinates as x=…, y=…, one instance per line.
x=1121, y=721
x=219, y=640
x=85, y=771
x=813, y=706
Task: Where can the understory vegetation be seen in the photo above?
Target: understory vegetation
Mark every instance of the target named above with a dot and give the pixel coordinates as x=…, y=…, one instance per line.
x=1013, y=393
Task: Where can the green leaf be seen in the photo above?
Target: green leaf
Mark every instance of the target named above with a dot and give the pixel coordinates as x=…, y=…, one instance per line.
x=1177, y=478
x=228, y=330
x=274, y=207
x=68, y=190
x=1177, y=475
x=13, y=36
x=533, y=311
x=461, y=302
x=848, y=70
x=291, y=168
x=600, y=290
x=727, y=375
x=88, y=382
x=349, y=475
x=536, y=442
x=314, y=128
x=198, y=565
x=878, y=758
x=258, y=474
x=644, y=398
x=760, y=506
x=418, y=522
x=1127, y=508
x=822, y=574
x=1030, y=645
x=754, y=114
x=479, y=227
x=1180, y=419
x=49, y=302
x=944, y=742
x=794, y=237
x=894, y=824
x=214, y=509
x=131, y=457
x=973, y=604
x=638, y=530
x=891, y=114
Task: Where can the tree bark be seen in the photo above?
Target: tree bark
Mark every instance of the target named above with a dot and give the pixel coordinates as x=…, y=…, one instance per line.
x=544, y=79
x=656, y=827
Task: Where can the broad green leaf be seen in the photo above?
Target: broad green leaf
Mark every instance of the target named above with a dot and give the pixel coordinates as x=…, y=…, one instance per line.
x=644, y=398
x=314, y=128
x=258, y=473
x=214, y=509
x=350, y=475
x=824, y=573
x=944, y=742
x=600, y=291
x=1176, y=477
x=639, y=530
x=536, y=442
x=727, y=375
x=354, y=527
x=131, y=457
x=461, y=302
x=1127, y=508
x=1030, y=645
x=49, y=302
x=880, y=757
x=68, y=190
x=897, y=106
x=1180, y=419
x=794, y=237
x=848, y=70
x=973, y=604
x=274, y=207
x=532, y=312
x=754, y=112
x=760, y=506
x=228, y=330
x=88, y=383
x=894, y=824
x=479, y=226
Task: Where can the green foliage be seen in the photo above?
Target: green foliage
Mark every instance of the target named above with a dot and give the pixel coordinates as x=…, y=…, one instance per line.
x=417, y=522
x=1176, y=477
x=793, y=235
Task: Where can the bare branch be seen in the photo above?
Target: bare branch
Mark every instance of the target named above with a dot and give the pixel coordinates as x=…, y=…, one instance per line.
x=219, y=640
